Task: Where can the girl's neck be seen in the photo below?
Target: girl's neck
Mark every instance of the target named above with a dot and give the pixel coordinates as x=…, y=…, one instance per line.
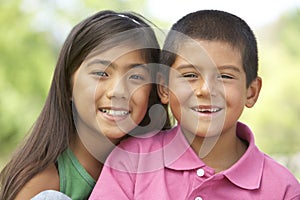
x=219, y=152
x=92, y=163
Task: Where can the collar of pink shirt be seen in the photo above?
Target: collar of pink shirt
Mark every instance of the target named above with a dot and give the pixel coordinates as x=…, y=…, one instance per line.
x=246, y=173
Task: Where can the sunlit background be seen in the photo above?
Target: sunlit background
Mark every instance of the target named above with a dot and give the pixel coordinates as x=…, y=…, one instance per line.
x=32, y=33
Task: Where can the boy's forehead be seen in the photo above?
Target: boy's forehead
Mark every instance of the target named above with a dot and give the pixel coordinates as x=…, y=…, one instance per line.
x=192, y=52
x=207, y=53
x=187, y=46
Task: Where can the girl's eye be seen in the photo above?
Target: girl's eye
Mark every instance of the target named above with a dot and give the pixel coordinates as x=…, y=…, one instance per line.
x=101, y=74
x=136, y=77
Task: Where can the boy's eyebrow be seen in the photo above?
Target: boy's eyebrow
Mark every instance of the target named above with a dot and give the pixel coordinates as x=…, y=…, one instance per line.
x=222, y=67
x=184, y=66
x=231, y=67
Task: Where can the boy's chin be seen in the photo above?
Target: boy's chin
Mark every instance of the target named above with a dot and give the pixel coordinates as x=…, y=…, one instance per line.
x=203, y=130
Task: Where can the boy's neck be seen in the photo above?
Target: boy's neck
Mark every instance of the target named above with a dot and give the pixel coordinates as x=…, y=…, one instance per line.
x=219, y=152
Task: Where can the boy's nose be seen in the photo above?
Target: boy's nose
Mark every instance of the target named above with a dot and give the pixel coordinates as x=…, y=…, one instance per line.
x=202, y=89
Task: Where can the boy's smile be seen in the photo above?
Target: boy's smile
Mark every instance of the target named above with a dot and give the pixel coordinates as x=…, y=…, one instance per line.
x=206, y=110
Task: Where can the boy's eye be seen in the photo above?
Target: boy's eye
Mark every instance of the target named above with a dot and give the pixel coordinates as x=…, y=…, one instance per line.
x=224, y=76
x=190, y=75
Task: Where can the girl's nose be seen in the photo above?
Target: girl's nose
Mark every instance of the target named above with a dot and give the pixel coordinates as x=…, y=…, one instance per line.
x=117, y=89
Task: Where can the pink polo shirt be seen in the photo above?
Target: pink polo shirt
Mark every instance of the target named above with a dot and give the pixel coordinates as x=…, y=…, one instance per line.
x=163, y=166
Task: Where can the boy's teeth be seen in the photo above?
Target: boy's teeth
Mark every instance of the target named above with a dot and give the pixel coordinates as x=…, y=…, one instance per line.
x=115, y=112
x=206, y=110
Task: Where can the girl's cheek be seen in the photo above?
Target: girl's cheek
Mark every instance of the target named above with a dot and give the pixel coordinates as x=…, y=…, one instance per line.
x=142, y=93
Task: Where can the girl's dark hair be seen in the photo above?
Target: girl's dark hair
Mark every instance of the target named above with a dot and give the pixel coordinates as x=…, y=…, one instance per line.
x=55, y=128
x=215, y=25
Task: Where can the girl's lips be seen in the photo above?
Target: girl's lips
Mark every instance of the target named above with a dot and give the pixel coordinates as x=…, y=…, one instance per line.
x=118, y=112
x=114, y=114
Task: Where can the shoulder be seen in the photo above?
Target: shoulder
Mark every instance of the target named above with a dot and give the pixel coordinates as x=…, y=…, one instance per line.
x=141, y=152
x=277, y=170
x=47, y=179
x=143, y=143
x=280, y=176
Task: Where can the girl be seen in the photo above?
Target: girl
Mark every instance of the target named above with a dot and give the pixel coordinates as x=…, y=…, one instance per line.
x=65, y=149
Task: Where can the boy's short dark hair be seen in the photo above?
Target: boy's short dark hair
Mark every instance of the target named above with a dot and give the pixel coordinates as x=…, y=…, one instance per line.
x=215, y=25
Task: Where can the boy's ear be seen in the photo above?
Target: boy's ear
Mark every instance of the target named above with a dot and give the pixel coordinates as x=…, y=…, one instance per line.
x=162, y=89
x=253, y=92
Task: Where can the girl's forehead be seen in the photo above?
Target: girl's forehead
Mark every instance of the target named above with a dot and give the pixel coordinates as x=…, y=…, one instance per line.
x=113, y=53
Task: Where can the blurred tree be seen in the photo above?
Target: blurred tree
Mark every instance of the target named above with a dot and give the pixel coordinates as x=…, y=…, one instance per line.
x=276, y=117
x=288, y=32
x=26, y=62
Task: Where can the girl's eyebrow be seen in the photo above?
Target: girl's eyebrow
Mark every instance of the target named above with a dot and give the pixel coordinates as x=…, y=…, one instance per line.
x=111, y=64
x=99, y=61
x=140, y=65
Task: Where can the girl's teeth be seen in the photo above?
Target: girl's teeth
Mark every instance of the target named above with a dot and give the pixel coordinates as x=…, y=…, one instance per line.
x=115, y=112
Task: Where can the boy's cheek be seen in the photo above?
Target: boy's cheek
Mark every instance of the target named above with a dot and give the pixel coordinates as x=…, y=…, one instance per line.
x=181, y=91
x=175, y=105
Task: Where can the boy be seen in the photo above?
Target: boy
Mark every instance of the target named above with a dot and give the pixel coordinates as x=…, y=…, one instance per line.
x=210, y=155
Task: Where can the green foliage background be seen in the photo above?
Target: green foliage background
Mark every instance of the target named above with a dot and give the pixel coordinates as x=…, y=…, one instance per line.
x=32, y=32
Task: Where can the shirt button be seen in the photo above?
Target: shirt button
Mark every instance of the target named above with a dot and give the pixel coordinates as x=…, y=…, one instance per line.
x=198, y=198
x=200, y=172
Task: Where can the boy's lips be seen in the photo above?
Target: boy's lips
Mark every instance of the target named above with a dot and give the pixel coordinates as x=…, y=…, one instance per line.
x=206, y=109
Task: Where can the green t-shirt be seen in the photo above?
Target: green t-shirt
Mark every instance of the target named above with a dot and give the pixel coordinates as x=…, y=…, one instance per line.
x=74, y=179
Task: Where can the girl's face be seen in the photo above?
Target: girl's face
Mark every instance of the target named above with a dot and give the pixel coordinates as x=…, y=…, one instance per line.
x=111, y=92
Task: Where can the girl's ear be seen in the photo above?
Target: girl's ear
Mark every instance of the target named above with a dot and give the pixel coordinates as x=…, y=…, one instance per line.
x=253, y=92
x=162, y=89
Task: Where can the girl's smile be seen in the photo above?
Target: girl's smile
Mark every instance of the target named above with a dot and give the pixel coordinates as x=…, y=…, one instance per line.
x=114, y=114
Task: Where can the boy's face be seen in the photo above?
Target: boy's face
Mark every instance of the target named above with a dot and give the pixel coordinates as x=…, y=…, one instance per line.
x=207, y=88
